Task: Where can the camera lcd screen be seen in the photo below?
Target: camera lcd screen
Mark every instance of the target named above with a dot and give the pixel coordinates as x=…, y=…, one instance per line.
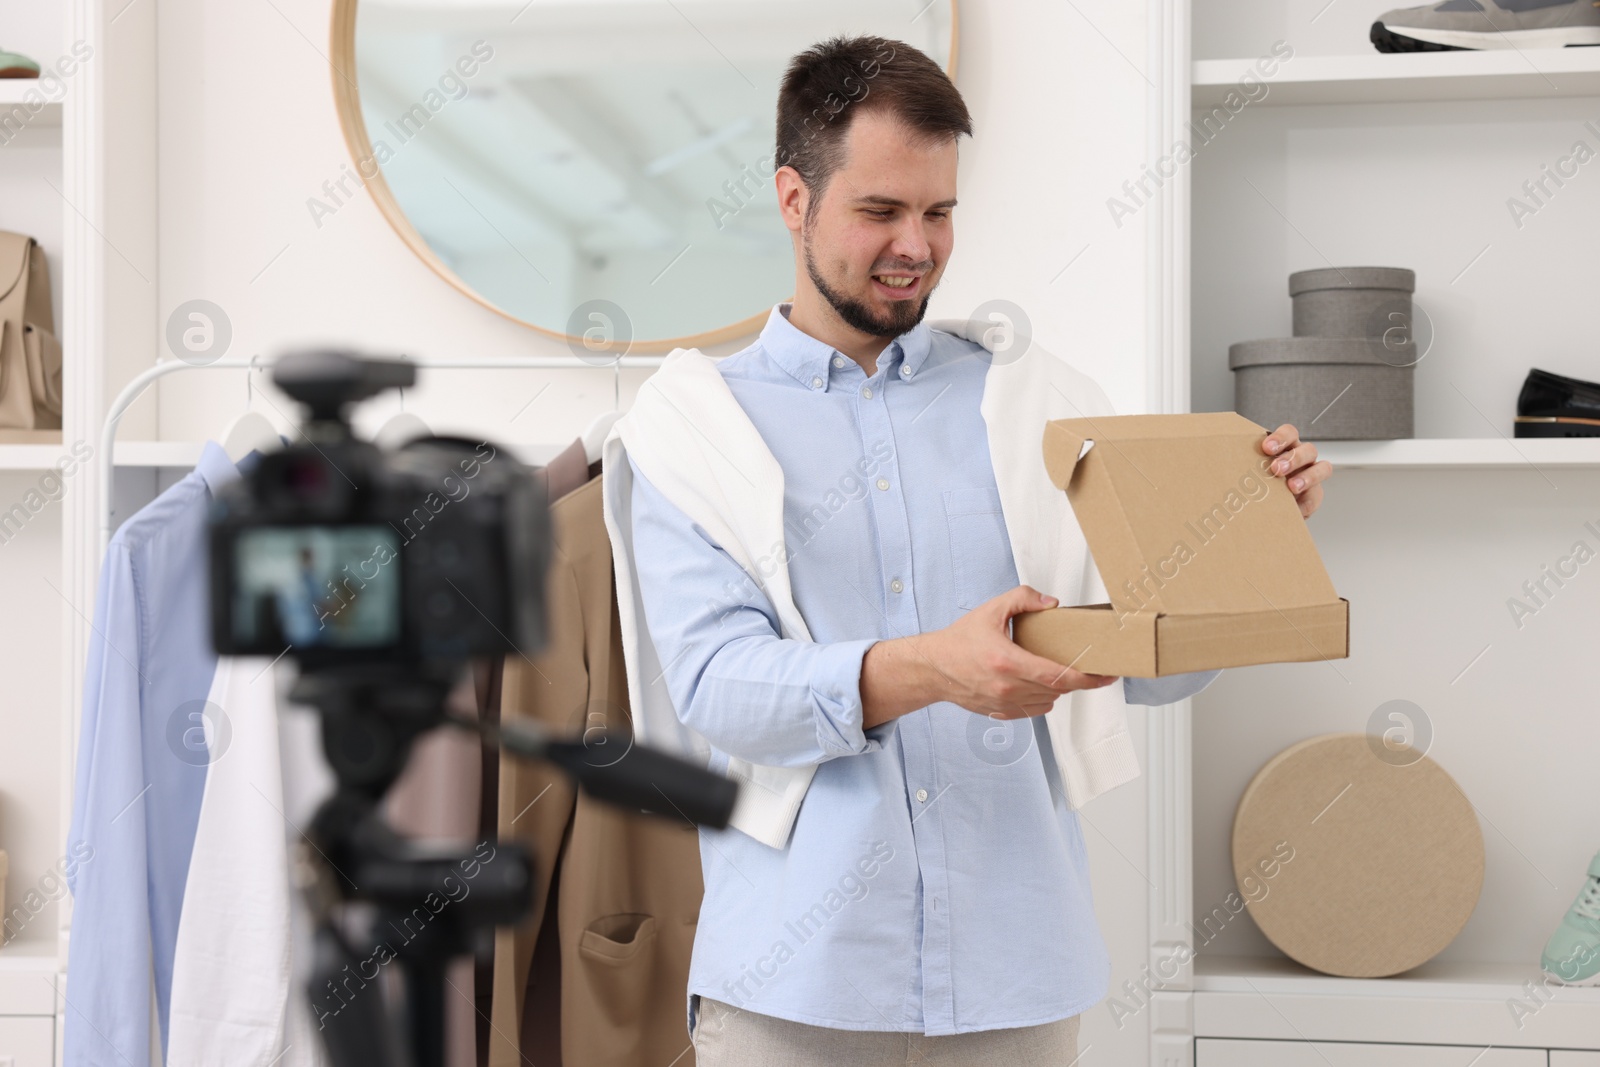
x=317, y=587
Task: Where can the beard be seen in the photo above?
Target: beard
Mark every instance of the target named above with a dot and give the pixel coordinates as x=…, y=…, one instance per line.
x=902, y=315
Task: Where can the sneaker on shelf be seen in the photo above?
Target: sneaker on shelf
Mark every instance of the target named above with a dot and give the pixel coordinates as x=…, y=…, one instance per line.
x=1480, y=24
x=1572, y=956
x=17, y=65
x=1551, y=405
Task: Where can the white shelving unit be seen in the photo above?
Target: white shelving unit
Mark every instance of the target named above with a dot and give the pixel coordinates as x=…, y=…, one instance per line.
x=28, y=999
x=1464, y=453
x=1438, y=1003
x=1372, y=78
x=51, y=188
x=28, y=457
x=1468, y=453
x=185, y=454
x=1402, y=160
x=25, y=92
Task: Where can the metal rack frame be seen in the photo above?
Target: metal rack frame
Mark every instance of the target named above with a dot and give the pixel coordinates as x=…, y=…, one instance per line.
x=136, y=388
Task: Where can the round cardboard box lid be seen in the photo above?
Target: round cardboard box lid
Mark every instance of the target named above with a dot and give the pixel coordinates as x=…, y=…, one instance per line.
x=1300, y=351
x=1401, y=278
x=1355, y=858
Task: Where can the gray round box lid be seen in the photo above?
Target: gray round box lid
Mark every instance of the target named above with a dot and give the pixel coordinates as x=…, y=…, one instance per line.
x=1402, y=278
x=1291, y=350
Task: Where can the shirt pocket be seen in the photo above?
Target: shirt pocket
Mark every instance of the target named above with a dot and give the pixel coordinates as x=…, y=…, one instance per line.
x=980, y=550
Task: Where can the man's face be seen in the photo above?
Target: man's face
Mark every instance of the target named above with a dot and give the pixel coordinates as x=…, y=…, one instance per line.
x=886, y=213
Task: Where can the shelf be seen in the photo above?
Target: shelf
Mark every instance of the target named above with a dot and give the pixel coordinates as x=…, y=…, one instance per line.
x=1379, y=78
x=1471, y=1003
x=187, y=453
x=29, y=457
x=1466, y=453
x=1275, y=974
x=28, y=978
x=15, y=91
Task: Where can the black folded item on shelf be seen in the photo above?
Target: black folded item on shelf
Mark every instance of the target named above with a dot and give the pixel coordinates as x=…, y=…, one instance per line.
x=1551, y=405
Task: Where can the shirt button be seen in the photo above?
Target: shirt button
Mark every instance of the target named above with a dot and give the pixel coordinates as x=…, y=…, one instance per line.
x=838, y=361
x=883, y=483
x=816, y=383
x=905, y=371
x=922, y=795
x=896, y=585
x=866, y=391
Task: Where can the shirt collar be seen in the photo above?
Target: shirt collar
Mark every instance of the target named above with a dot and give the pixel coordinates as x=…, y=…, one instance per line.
x=807, y=358
x=216, y=468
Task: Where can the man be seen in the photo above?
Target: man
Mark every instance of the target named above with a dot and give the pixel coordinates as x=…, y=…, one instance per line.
x=932, y=901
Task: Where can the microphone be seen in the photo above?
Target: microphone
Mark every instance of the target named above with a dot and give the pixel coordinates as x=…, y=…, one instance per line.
x=642, y=778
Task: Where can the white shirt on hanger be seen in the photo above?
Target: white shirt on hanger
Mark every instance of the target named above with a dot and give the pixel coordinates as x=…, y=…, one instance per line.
x=233, y=979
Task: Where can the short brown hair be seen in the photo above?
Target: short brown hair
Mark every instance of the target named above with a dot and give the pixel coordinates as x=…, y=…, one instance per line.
x=827, y=85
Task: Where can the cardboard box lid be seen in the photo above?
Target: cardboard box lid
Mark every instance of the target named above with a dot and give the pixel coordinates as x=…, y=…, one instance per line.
x=1181, y=514
x=1385, y=858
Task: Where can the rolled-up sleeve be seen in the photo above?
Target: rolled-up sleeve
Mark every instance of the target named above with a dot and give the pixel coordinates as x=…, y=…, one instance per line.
x=1155, y=692
x=733, y=679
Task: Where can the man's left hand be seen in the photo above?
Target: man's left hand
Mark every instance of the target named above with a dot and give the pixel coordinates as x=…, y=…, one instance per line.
x=1296, y=461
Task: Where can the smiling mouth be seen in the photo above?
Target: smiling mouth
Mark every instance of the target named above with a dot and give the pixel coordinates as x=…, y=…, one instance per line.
x=897, y=284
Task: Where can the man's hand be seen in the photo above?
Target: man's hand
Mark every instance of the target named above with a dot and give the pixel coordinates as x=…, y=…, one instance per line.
x=972, y=662
x=1297, y=461
x=991, y=674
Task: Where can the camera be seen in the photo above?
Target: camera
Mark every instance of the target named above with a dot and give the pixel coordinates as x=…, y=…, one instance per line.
x=341, y=553
x=382, y=573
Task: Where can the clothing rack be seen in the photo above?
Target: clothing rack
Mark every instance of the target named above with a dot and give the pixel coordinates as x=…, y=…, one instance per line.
x=135, y=389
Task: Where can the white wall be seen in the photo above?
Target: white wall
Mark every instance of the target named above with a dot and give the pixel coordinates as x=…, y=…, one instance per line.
x=247, y=132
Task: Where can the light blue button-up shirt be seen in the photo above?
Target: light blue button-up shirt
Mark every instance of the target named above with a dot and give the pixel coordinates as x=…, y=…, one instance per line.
x=935, y=880
x=142, y=757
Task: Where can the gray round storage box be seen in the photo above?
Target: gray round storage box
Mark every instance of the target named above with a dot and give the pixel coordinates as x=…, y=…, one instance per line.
x=1353, y=302
x=1329, y=388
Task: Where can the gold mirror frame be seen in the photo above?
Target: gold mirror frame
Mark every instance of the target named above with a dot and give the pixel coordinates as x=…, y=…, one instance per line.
x=347, y=104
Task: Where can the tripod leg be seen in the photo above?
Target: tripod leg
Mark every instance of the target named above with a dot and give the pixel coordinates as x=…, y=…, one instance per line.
x=425, y=1006
x=348, y=1010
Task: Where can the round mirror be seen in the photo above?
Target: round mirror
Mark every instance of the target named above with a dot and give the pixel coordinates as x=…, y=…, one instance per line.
x=599, y=170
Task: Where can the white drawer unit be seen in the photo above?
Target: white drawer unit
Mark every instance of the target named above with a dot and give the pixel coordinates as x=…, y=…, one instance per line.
x=1566, y=1057
x=27, y=1041
x=1226, y=1052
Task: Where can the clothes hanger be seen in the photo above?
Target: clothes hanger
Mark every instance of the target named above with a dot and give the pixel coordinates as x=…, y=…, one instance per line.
x=401, y=427
x=594, y=438
x=252, y=431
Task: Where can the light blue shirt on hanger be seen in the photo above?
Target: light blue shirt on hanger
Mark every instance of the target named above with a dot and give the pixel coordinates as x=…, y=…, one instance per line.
x=936, y=880
x=142, y=757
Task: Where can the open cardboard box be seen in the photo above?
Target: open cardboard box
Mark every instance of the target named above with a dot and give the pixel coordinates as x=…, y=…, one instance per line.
x=1204, y=554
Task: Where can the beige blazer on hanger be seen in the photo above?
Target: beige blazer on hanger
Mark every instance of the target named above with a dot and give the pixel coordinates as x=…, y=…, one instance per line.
x=627, y=886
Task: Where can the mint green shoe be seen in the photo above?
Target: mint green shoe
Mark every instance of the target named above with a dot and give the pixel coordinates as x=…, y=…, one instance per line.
x=1572, y=956
x=17, y=65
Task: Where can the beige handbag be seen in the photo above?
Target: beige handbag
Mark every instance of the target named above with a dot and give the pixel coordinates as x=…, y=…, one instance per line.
x=30, y=353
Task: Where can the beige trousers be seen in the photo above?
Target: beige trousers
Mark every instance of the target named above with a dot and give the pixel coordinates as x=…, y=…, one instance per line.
x=725, y=1036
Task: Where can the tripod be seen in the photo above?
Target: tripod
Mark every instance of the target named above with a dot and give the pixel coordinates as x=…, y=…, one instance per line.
x=441, y=902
